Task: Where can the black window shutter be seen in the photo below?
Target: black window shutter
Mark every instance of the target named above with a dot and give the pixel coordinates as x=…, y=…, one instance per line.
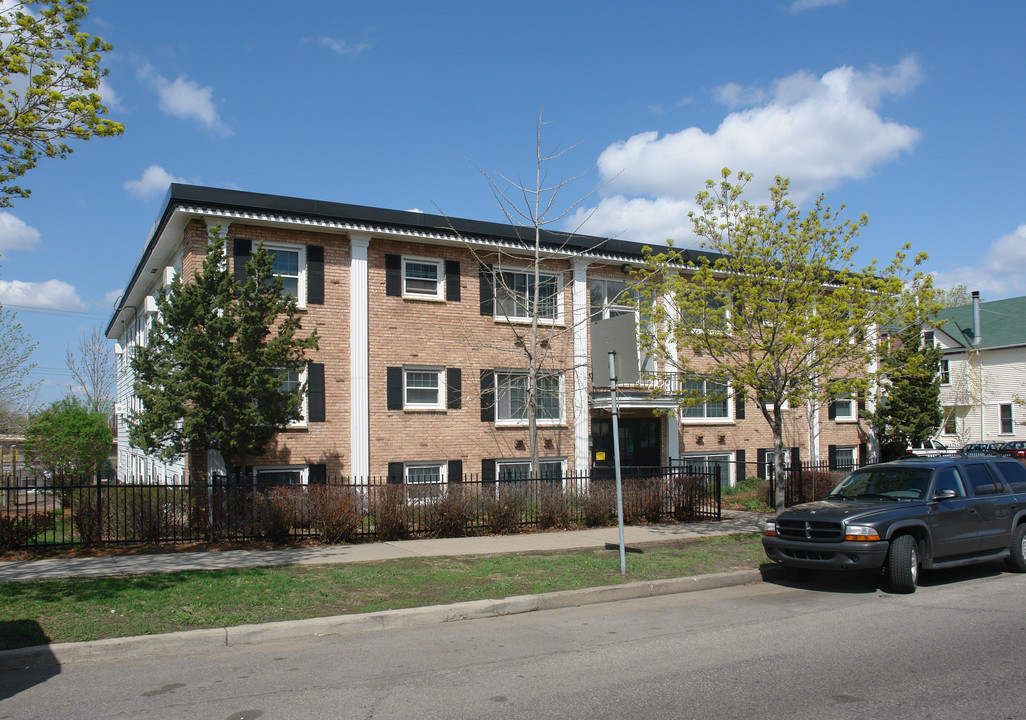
x=395, y=473
x=314, y=274
x=242, y=249
x=318, y=475
x=487, y=396
x=453, y=388
x=832, y=457
x=739, y=405
x=315, y=391
x=487, y=472
x=796, y=458
x=394, y=388
x=863, y=454
x=741, y=472
x=760, y=470
x=393, y=275
x=452, y=280
x=485, y=276
x=862, y=403
x=455, y=472
x=832, y=410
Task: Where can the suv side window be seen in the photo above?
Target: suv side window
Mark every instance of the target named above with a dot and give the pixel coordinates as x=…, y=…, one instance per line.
x=982, y=482
x=1014, y=474
x=948, y=479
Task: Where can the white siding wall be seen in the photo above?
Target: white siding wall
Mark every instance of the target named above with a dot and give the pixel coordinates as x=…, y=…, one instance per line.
x=985, y=382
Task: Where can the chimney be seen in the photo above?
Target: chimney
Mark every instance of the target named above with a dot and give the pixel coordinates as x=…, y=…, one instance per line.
x=976, y=318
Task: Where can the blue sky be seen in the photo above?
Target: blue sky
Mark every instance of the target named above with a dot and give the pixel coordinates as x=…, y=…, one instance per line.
x=911, y=112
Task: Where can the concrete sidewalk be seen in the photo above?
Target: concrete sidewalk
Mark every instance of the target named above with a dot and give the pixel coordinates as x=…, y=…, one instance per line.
x=734, y=522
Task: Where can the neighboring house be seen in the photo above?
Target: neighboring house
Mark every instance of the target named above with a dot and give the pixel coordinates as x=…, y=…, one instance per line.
x=983, y=370
x=419, y=375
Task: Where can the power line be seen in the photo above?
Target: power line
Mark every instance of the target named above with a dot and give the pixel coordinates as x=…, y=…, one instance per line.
x=55, y=311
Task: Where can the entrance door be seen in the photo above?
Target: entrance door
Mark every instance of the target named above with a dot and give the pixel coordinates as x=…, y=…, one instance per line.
x=639, y=444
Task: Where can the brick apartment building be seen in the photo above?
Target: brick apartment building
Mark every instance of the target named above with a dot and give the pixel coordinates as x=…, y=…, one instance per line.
x=420, y=370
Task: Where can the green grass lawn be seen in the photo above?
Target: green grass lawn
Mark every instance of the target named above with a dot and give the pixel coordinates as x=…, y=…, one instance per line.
x=75, y=609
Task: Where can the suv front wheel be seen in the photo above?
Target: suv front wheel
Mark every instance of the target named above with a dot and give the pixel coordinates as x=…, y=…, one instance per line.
x=1017, y=560
x=903, y=564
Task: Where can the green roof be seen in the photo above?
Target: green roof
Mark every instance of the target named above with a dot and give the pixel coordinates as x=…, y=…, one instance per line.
x=1002, y=323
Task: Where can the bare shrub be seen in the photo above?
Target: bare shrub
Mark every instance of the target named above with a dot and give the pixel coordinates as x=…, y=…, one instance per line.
x=817, y=484
x=335, y=513
x=505, y=510
x=642, y=500
x=16, y=531
x=598, y=506
x=685, y=496
x=275, y=511
x=449, y=515
x=85, y=512
x=553, y=508
x=391, y=513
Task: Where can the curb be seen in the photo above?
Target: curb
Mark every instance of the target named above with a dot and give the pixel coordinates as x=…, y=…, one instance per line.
x=242, y=635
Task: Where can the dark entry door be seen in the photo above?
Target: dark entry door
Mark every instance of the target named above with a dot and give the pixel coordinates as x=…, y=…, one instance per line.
x=639, y=443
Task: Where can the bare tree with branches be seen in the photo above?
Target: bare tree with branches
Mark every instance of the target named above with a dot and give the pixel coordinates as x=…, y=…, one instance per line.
x=93, y=370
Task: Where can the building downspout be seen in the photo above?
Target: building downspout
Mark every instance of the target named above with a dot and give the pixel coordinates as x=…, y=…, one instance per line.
x=977, y=337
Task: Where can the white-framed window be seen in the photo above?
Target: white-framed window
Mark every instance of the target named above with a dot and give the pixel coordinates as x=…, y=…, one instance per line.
x=514, y=295
x=424, y=481
x=423, y=278
x=945, y=372
x=281, y=475
x=520, y=469
x=612, y=298
x=950, y=422
x=294, y=379
x=768, y=470
x=423, y=388
x=289, y=263
x=721, y=464
x=1007, y=420
x=846, y=457
x=844, y=409
x=714, y=317
x=712, y=400
x=511, y=398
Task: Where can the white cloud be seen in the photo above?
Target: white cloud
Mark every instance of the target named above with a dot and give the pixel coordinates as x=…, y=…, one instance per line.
x=999, y=273
x=112, y=297
x=799, y=5
x=51, y=295
x=342, y=47
x=154, y=181
x=15, y=234
x=818, y=131
x=110, y=98
x=184, y=98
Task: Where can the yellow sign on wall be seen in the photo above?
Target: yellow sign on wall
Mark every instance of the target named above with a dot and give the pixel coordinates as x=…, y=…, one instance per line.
x=600, y=455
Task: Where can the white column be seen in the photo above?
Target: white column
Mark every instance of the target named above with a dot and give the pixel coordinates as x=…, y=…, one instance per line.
x=359, y=352
x=673, y=449
x=581, y=321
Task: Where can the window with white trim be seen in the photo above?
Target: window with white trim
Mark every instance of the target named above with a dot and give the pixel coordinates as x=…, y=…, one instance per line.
x=945, y=372
x=281, y=475
x=513, y=470
x=289, y=263
x=845, y=457
x=511, y=398
x=1007, y=420
x=514, y=295
x=422, y=278
x=714, y=317
x=612, y=298
x=423, y=388
x=425, y=481
x=294, y=379
x=950, y=422
x=710, y=400
x=844, y=409
x=719, y=464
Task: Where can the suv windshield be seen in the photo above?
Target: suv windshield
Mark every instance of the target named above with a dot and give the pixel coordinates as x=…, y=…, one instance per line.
x=891, y=482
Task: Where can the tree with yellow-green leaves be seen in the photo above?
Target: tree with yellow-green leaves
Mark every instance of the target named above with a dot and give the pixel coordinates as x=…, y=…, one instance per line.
x=776, y=308
x=50, y=73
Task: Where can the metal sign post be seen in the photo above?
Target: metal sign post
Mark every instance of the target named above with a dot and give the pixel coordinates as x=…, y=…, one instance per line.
x=616, y=459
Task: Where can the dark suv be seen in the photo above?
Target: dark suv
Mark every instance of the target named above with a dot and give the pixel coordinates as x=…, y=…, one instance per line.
x=907, y=515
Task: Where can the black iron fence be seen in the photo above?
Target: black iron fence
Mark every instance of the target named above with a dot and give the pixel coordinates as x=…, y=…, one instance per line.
x=341, y=510
x=808, y=482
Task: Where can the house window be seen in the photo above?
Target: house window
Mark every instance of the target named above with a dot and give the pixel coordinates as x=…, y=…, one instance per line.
x=281, y=475
x=422, y=389
x=718, y=464
x=513, y=470
x=945, y=373
x=294, y=379
x=422, y=278
x=710, y=400
x=1007, y=425
x=514, y=295
x=713, y=317
x=612, y=298
x=846, y=458
x=768, y=467
x=950, y=422
x=844, y=409
x=287, y=263
x=424, y=481
x=511, y=397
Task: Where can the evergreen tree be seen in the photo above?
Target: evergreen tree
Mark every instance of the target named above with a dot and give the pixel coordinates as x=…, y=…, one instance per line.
x=909, y=409
x=212, y=373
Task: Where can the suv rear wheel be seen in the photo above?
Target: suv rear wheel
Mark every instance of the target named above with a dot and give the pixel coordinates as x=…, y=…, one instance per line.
x=1017, y=560
x=903, y=564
